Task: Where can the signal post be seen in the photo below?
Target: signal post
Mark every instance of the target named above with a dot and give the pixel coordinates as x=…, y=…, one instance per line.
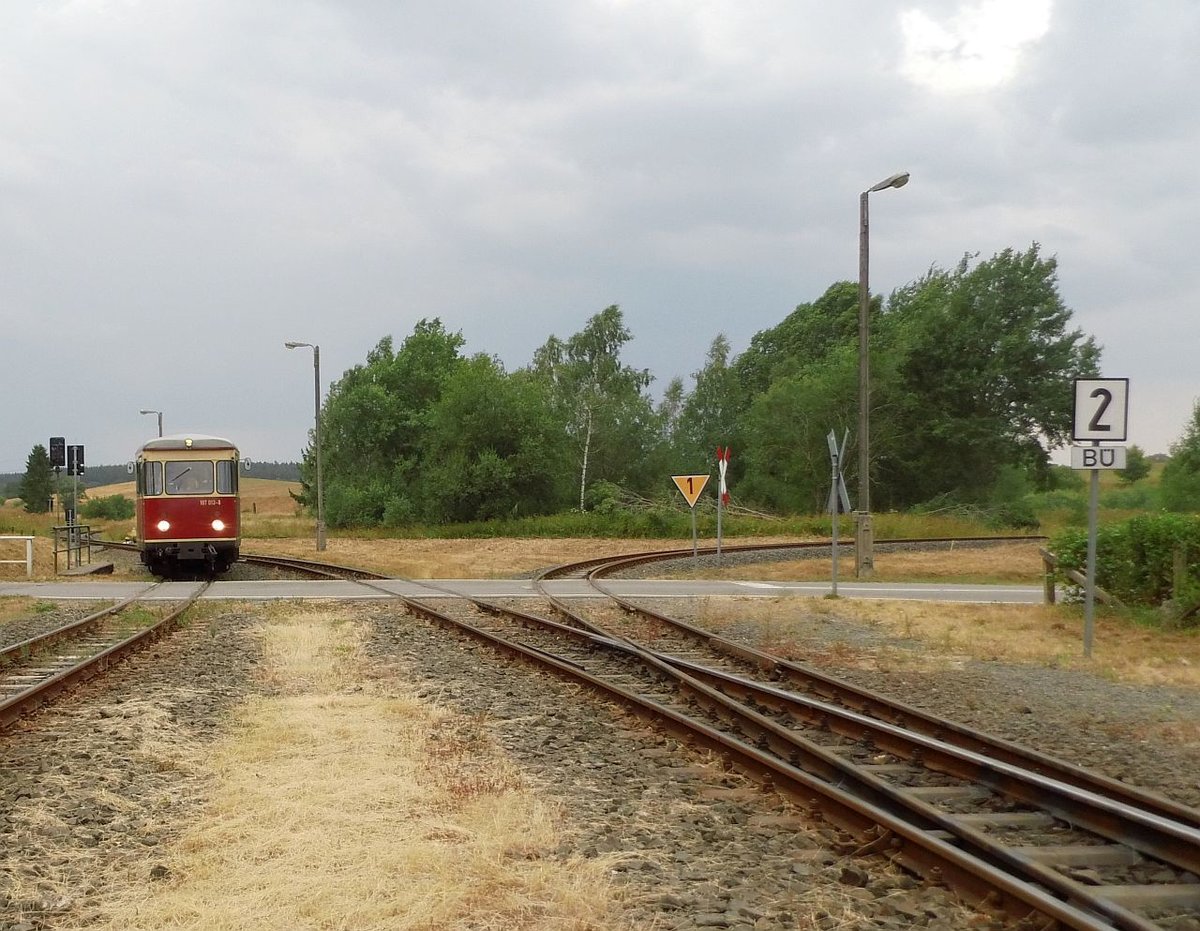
x=1101, y=413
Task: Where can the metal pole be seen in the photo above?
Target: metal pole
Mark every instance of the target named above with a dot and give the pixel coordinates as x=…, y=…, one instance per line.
x=73, y=533
x=719, y=509
x=159, y=413
x=836, y=505
x=317, y=440
x=864, y=561
x=1089, y=595
x=720, y=496
x=865, y=534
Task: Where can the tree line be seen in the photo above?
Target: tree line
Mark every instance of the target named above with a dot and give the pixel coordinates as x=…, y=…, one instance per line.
x=971, y=388
x=972, y=371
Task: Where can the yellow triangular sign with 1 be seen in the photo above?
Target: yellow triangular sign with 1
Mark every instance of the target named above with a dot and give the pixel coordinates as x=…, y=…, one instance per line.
x=690, y=486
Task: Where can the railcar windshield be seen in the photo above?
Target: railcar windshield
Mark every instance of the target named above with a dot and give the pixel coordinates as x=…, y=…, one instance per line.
x=189, y=477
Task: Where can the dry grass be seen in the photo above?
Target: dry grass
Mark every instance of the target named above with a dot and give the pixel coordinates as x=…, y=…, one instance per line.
x=1013, y=563
x=453, y=559
x=336, y=804
x=953, y=633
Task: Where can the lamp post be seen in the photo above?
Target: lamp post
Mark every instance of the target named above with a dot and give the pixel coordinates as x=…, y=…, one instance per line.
x=316, y=436
x=159, y=419
x=864, y=538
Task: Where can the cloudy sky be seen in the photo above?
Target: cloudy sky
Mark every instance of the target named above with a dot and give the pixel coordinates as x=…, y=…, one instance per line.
x=186, y=184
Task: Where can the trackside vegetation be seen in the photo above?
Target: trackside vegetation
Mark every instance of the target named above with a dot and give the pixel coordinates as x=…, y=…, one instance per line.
x=1151, y=559
x=1148, y=561
x=971, y=389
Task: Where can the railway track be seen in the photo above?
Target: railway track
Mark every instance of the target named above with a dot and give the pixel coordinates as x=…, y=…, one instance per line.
x=40, y=668
x=1036, y=838
x=1002, y=824
x=311, y=568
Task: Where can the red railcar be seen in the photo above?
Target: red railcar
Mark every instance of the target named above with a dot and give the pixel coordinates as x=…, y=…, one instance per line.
x=188, y=515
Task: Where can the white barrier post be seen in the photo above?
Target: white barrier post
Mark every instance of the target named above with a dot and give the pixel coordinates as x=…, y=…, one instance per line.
x=28, y=560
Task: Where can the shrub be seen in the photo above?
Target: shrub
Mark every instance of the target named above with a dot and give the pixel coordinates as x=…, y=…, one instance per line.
x=604, y=497
x=1135, y=559
x=1133, y=498
x=1016, y=515
x=113, y=507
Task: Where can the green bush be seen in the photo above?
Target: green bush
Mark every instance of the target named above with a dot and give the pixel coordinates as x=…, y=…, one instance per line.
x=1131, y=498
x=113, y=507
x=1135, y=559
x=1016, y=515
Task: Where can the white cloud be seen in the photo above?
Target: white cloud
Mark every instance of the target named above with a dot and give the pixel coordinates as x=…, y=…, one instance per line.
x=977, y=48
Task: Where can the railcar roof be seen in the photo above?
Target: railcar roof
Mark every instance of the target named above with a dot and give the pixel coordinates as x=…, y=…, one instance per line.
x=187, y=441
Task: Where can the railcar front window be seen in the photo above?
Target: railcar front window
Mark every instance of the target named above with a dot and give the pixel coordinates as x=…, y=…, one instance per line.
x=190, y=477
x=226, y=477
x=152, y=478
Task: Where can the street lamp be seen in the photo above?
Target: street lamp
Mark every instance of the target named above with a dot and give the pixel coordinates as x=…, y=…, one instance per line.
x=317, y=436
x=864, y=561
x=159, y=419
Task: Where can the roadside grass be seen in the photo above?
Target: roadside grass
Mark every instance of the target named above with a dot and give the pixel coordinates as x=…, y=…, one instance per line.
x=999, y=564
x=955, y=633
x=340, y=800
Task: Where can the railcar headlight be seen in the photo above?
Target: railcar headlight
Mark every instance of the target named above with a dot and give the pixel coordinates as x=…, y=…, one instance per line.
x=218, y=525
x=163, y=525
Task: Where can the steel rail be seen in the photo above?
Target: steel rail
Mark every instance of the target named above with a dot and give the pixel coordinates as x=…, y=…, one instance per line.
x=920, y=849
x=312, y=567
x=15, y=707
x=1155, y=835
x=1156, y=831
x=814, y=680
x=1069, y=894
x=26, y=647
x=1079, y=904
x=1125, y=824
x=631, y=559
x=1151, y=834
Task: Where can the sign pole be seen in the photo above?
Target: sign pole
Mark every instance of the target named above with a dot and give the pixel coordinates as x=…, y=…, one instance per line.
x=1101, y=413
x=722, y=493
x=720, y=502
x=838, y=498
x=1089, y=596
x=835, y=505
x=690, y=487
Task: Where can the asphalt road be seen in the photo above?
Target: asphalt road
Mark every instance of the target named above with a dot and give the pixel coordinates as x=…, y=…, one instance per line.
x=94, y=590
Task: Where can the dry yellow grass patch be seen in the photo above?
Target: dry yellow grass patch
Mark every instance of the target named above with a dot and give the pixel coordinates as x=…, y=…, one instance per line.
x=340, y=801
x=1016, y=563
x=453, y=559
x=951, y=633
x=16, y=608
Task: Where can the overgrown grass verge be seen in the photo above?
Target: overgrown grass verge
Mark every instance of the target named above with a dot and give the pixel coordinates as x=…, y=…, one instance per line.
x=928, y=636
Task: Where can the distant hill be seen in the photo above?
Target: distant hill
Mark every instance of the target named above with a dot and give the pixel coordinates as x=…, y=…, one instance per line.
x=95, y=476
